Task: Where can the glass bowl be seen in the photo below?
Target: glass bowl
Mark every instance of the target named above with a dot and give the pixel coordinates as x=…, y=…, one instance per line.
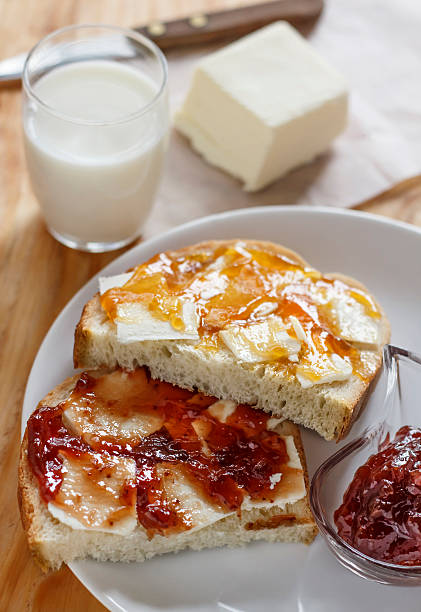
x=400, y=406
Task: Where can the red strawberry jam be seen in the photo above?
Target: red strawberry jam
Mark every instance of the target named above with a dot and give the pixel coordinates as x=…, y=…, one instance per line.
x=381, y=510
x=239, y=457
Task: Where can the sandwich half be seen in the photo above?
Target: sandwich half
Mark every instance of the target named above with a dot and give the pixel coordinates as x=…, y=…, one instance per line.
x=119, y=466
x=242, y=320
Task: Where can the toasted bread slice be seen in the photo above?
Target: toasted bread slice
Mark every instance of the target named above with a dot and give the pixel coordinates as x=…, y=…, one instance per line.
x=52, y=542
x=328, y=408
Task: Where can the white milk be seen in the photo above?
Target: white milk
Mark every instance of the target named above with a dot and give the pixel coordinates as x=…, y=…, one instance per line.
x=95, y=182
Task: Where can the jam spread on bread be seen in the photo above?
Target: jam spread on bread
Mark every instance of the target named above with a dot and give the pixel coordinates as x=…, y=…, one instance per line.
x=227, y=452
x=381, y=510
x=238, y=284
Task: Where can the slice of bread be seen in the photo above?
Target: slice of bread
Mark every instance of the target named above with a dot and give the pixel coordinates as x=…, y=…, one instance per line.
x=53, y=543
x=328, y=408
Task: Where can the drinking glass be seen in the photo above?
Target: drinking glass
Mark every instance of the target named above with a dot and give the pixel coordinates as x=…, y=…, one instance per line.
x=95, y=123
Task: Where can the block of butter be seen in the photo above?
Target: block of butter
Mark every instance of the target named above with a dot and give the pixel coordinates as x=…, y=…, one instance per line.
x=263, y=105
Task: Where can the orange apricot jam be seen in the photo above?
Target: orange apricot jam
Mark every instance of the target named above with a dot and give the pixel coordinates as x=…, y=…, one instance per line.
x=230, y=458
x=236, y=283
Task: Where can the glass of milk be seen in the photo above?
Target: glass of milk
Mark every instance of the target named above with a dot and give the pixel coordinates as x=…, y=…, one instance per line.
x=95, y=120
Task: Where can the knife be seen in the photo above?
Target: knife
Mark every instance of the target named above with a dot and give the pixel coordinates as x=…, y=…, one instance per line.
x=205, y=27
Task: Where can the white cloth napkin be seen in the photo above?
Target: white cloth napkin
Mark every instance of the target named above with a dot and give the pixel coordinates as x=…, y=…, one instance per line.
x=376, y=45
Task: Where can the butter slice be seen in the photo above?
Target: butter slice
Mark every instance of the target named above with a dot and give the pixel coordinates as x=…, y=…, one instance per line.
x=263, y=105
x=222, y=409
x=135, y=322
x=298, y=329
x=111, y=282
x=90, y=496
x=329, y=369
x=296, y=486
x=187, y=499
x=260, y=342
x=354, y=325
x=127, y=426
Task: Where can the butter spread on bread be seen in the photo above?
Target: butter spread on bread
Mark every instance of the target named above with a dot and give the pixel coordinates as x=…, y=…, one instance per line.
x=275, y=326
x=249, y=309
x=122, y=454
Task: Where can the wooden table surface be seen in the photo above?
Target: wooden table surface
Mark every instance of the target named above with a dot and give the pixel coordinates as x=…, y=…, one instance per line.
x=38, y=276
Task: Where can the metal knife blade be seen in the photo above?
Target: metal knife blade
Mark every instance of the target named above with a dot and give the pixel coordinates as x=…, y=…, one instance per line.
x=11, y=69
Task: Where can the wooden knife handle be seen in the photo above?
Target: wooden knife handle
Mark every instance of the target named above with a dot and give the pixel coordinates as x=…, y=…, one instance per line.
x=210, y=27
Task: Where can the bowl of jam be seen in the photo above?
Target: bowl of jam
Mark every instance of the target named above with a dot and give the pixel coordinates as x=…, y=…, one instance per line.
x=366, y=498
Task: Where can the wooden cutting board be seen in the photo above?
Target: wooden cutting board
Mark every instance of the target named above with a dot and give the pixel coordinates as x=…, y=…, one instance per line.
x=38, y=276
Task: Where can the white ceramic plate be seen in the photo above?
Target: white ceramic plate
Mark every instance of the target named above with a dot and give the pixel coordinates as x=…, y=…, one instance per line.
x=386, y=256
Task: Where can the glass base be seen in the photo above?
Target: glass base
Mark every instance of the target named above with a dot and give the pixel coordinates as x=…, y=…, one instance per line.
x=91, y=247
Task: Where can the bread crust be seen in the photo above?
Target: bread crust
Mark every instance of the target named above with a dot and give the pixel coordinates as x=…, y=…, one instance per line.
x=27, y=485
x=84, y=338
x=32, y=506
x=361, y=400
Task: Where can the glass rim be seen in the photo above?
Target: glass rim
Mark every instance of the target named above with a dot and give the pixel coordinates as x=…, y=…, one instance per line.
x=146, y=42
